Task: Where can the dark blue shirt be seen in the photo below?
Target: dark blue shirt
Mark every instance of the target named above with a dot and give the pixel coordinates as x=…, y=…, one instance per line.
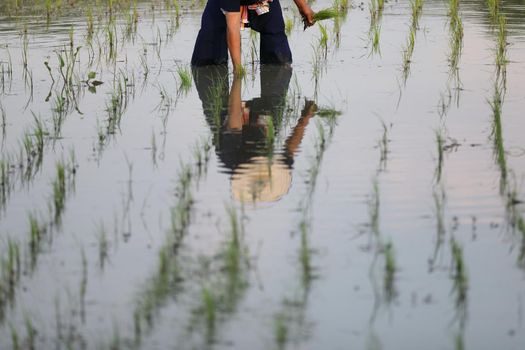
x=235, y=5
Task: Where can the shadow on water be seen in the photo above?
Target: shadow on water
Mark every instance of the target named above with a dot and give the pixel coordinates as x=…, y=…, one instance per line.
x=245, y=132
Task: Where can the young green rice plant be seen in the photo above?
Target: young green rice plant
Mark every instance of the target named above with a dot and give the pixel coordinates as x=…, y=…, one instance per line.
x=185, y=79
x=375, y=39
x=210, y=311
x=416, y=7
x=459, y=273
x=407, y=55
x=327, y=13
x=323, y=39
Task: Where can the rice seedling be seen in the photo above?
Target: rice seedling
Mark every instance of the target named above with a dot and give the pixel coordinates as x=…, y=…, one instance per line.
x=459, y=272
x=375, y=39
x=408, y=51
x=210, y=311
x=520, y=225
x=185, y=79
x=323, y=39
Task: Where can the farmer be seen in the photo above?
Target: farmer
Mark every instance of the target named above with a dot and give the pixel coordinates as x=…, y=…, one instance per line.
x=259, y=171
x=222, y=21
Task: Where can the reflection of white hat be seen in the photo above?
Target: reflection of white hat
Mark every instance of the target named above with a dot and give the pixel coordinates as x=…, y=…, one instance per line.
x=261, y=180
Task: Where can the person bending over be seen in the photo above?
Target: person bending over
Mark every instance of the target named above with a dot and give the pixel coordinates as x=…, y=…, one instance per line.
x=222, y=21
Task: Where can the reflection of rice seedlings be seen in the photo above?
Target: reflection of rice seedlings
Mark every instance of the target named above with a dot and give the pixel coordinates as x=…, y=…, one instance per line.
x=501, y=50
x=270, y=133
x=210, y=310
x=31, y=333
x=5, y=182
x=90, y=26
x=440, y=143
x=439, y=212
x=383, y=147
x=59, y=191
x=83, y=286
x=459, y=272
x=520, y=225
x=25, y=49
x=493, y=6
x=36, y=233
x=253, y=46
x=373, y=209
x=390, y=271
x=288, y=26
x=103, y=245
x=305, y=251
x=185, y=78
x=281, y=331
x=497, y=134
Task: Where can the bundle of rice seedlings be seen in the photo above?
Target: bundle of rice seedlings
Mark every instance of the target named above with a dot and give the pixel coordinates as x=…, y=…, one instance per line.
x=326, y=13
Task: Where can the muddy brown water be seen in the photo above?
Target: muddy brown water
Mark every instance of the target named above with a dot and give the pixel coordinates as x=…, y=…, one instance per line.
x=319, y=208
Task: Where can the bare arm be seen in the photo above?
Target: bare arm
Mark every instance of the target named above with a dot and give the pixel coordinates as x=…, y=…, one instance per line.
x=233, y=37
x=235, y=106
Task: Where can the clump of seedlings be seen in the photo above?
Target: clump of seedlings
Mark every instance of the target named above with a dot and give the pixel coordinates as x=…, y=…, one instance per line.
x=185, y=79
x=459, y=272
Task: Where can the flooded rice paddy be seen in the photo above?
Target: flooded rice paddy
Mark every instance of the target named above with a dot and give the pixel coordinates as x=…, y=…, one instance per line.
x=374, y=199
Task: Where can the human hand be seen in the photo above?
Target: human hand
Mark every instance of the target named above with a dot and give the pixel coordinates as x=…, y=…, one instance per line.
x=308, y=16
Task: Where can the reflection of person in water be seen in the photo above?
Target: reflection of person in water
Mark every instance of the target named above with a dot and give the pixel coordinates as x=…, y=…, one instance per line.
x=259, y=173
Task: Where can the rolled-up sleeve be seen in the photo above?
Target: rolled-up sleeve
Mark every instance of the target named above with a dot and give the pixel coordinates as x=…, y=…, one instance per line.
x=230, y=5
